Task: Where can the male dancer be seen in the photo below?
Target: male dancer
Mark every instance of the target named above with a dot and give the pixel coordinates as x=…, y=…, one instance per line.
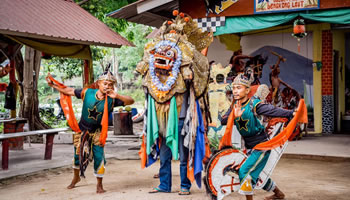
x=92, y=112
x=253, y=132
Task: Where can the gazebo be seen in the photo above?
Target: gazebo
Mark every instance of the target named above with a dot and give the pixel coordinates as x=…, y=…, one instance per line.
x=53, y=27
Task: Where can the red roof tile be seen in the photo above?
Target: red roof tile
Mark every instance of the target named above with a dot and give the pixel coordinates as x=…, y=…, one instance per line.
x=56, y=20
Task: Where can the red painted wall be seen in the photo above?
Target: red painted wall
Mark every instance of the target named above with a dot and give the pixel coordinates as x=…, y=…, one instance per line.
x=327, y=63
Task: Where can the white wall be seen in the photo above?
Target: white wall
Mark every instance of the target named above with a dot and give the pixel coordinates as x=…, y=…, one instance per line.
x=250, y=43
x=217, y=51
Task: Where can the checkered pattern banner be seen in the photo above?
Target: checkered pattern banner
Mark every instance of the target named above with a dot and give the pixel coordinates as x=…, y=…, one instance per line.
x=210, y=23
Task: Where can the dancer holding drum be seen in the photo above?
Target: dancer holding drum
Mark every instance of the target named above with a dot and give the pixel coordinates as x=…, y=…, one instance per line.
x=246, y=112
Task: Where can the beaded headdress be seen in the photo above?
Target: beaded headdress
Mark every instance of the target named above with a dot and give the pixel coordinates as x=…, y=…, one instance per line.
x=107, y=75
x=241, y=80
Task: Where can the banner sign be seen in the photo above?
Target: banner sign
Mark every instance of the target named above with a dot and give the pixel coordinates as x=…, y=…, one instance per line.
x=217, y=6
x=268, y=6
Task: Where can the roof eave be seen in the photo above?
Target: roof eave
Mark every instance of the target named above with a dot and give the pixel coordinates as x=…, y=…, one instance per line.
x=141, y=13
x=59, y=39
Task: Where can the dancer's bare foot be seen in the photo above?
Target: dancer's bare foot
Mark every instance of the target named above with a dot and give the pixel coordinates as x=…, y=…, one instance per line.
x=278, y=194
x=100, y=189
x=75, y=180
x=99, y=186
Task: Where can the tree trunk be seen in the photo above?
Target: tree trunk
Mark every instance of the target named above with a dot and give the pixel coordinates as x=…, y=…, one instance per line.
x=30, y=101
x=116, y=70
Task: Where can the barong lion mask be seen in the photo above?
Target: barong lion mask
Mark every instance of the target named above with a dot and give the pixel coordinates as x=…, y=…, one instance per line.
x=174, y=57
x=164, y=65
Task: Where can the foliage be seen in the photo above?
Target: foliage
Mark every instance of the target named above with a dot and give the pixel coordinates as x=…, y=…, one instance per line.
x=99, y=9
x=128, y=57
x=137, y=94
x=51, y=120
x=66, y=69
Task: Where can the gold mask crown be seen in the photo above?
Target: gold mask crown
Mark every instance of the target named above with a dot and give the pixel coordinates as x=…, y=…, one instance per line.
x=183, y=24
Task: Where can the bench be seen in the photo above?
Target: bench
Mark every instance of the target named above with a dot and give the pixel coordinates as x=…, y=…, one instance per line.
x=50, y=134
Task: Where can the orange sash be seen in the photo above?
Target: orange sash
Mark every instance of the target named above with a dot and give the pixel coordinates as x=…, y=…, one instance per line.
x=104, y=123
x=143, y=153
x=279, y=140
x=66, y=103
x=282, y=137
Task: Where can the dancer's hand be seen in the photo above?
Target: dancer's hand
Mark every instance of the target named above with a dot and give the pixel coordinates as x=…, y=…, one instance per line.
x=112, y=94
x=48, y=80
x=237, y=108
x=295, y=111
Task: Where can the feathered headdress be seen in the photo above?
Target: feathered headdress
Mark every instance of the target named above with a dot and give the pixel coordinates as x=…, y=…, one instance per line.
x=107, y=75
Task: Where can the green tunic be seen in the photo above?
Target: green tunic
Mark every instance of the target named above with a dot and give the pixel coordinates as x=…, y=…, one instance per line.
x=93, y=108
x=248, y=124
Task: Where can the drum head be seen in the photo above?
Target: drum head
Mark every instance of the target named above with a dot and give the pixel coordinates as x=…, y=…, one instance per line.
x=220, y=180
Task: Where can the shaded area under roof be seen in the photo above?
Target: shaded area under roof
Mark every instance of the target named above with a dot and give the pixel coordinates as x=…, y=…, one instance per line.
x=147, y=12
x=56, y=20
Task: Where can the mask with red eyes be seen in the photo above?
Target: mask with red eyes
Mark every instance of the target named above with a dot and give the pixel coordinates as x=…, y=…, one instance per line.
x=164, y=57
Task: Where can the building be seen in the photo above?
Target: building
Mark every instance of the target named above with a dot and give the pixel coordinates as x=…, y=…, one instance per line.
x=317, y=65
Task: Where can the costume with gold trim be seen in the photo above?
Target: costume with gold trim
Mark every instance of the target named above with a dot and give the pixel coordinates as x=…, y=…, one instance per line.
x=175, y=78
x=87, y=143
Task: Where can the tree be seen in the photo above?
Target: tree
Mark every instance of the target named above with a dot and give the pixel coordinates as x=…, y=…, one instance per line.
x=28, y=73
x=125, y=57
x=28, y=76
x=99, y=9
x=129, y=56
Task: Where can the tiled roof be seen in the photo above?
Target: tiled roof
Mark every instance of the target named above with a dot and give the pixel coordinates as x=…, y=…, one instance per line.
x=56, y=20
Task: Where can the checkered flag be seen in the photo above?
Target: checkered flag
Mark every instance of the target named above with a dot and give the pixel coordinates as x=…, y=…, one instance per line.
x=210, y=23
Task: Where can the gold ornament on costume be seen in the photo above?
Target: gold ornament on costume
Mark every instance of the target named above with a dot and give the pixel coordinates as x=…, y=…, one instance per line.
x=173, y=57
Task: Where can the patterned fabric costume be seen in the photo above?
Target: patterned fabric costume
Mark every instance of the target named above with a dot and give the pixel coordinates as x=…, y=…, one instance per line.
x=175, y=75
x=90, y=123
x=253, y=132
x=91, y=132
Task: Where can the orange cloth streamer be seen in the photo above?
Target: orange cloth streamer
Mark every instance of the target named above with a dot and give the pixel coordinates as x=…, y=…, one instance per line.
x=104, y=123
x=226, y=138
x=190, y=173
x=253, y=90
x=66, y=103
x=281, y=138
x=143, y=153
x=207, y=147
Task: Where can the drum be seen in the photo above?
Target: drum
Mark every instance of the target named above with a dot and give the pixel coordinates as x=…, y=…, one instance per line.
x=221, y=172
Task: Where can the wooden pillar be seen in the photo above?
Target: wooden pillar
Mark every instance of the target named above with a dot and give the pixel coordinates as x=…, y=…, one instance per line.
x=86, y=72
x=5, y=155
x=48, y=146
x=317, y=79
x=88, y=76
x=12, y=75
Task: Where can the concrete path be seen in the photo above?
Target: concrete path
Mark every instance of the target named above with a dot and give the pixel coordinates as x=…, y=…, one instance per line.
x=327, y=146
x=31, y=159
